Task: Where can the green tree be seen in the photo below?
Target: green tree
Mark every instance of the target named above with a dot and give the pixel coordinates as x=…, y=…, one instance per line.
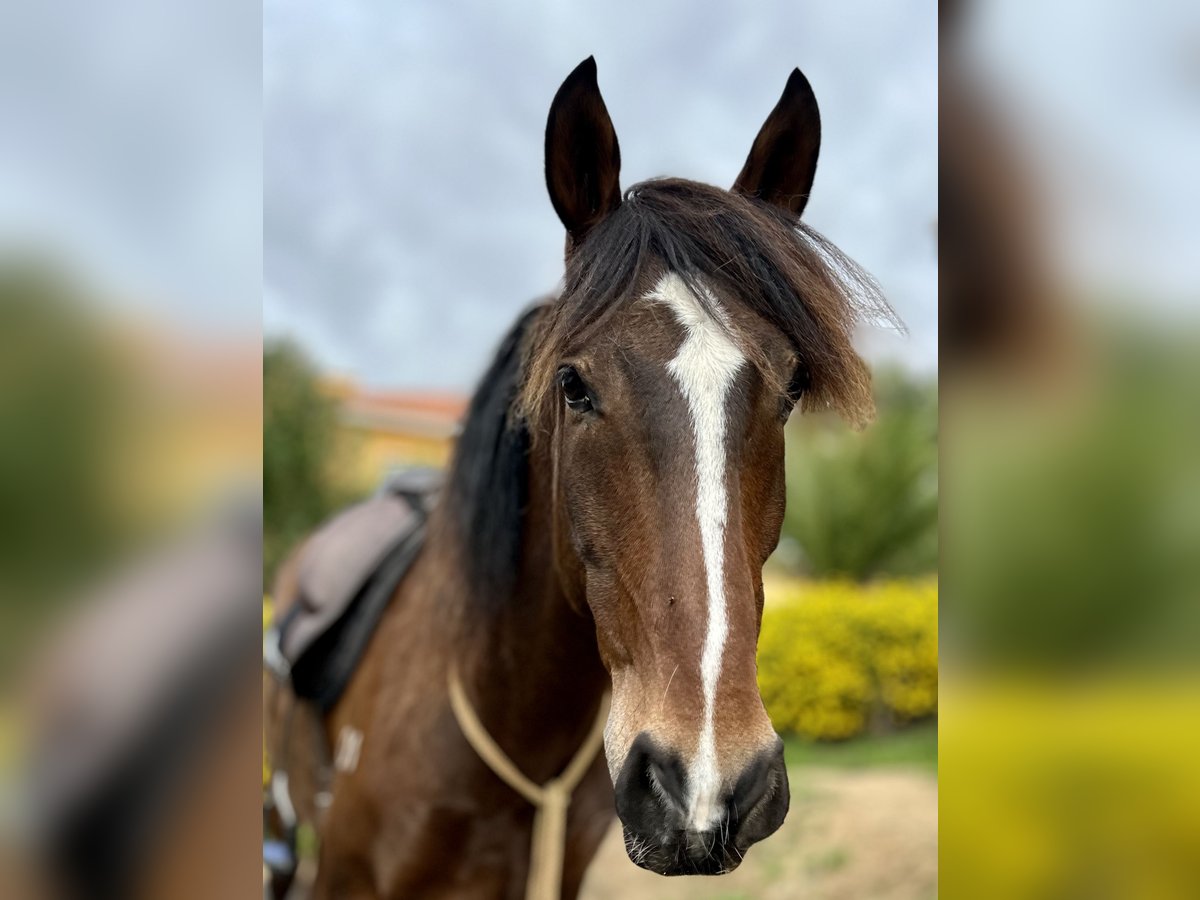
x=298, y=445
x=62, y=396
x=865, y=504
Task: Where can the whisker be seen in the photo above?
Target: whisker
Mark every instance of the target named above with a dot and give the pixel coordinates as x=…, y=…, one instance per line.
x=669, y=680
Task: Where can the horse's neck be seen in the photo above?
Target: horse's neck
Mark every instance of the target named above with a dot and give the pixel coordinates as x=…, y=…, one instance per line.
x=535, y=667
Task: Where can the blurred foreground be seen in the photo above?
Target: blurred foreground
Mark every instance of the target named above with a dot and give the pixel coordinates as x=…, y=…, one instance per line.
x=131, y=577
x=1070, y=441
x=130, y=449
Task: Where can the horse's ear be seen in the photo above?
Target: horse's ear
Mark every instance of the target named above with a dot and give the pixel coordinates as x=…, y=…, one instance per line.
x=783, y=160
x=583, y=161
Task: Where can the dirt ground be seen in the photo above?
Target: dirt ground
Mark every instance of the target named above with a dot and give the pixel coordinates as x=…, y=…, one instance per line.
x=850, y=835
x=866, y=834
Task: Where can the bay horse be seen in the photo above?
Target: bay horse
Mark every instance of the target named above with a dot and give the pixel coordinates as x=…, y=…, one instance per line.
x=616, y=488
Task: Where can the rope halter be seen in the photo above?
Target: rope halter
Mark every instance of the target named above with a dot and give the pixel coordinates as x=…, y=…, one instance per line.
x=550, y=800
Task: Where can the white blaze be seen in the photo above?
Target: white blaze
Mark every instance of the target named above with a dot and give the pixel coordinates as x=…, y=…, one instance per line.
x=705, y=367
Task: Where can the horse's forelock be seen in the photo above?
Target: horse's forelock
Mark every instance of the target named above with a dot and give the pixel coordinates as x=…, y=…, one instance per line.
x=753, y=254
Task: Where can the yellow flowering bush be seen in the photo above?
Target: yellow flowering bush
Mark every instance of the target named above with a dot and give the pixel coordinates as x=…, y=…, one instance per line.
x=834, y=656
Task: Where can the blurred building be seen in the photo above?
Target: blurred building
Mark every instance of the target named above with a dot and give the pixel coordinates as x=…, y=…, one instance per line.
x=380, y=431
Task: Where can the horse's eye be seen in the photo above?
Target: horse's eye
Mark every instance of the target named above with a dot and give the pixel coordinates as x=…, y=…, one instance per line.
x=798, y=384
x=574, y=389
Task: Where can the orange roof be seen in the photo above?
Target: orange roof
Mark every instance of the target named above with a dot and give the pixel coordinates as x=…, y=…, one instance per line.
x=427, y=413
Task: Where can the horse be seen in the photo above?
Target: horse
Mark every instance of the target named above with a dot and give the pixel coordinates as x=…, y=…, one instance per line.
x=615, y=491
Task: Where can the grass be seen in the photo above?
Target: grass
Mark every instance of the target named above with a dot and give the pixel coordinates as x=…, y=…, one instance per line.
x=913, y=747
x=829, y=861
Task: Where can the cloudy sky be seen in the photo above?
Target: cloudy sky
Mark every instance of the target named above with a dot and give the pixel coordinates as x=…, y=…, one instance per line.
x=366, y=176
x=405, y=218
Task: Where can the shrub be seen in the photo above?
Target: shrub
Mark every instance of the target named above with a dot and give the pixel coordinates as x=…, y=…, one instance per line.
x=864, y=505
x=835, y=657
x=298, y=445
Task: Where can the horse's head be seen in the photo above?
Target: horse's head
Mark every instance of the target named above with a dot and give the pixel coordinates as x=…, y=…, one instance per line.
x=692, y=321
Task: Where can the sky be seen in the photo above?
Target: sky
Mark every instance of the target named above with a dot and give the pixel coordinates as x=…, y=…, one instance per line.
x=131, y=154
x=405, y=215
x=1103, y=103
x=367, y=176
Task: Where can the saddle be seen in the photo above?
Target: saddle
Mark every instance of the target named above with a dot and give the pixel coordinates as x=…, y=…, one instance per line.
x=348, y=571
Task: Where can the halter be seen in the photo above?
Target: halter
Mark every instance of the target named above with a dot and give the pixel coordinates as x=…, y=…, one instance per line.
x=550, y=800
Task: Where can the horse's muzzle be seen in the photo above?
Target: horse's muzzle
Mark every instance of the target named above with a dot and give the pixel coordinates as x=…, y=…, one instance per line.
x=651, y=794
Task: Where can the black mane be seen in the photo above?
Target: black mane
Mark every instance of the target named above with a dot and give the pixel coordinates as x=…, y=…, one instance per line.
x=488, y=482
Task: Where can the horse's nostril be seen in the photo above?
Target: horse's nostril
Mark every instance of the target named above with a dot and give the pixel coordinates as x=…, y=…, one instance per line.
x=758, y=778
x=760, y=798
x=667, y=780
x=651, y=788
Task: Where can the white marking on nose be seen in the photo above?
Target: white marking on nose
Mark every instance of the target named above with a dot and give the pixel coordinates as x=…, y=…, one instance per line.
x=705, y=367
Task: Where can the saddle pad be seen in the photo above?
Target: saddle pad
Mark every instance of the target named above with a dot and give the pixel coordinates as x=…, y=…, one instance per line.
x=347, y=572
